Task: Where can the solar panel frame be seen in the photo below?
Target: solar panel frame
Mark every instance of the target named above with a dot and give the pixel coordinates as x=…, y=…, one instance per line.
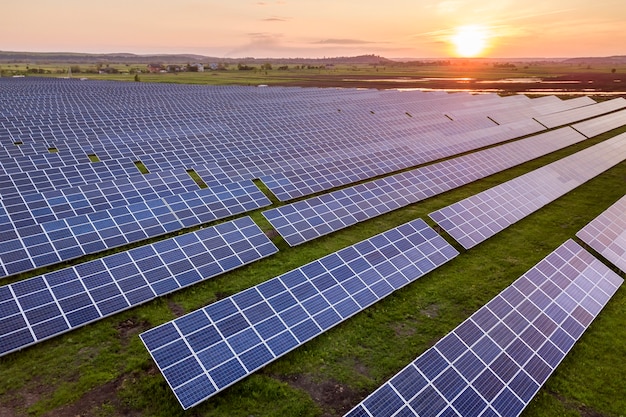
x=48, y=305
x=227, y=340
x=496, y=361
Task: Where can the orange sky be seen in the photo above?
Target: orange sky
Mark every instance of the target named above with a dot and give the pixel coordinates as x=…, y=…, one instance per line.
x=314, y=28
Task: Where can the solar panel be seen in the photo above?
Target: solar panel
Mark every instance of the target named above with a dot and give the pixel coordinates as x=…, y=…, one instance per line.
x=293, y=184
x=210, y=349
x=45, y=306
x=581, y=113
x=306, y=220
x=68, y=202
x=481, y=216
x=601, y=124
x=37, y=245
x=607, y=234
x=494, y=362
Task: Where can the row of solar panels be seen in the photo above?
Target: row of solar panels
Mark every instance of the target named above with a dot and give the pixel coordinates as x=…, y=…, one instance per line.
x=47, y=229
x=45, y=306
x=315, y=126
x=67, y=300
x=588, y=163
x=496, y=360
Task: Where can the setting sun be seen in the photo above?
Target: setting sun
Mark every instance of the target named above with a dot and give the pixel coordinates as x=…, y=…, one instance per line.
x=470, y=41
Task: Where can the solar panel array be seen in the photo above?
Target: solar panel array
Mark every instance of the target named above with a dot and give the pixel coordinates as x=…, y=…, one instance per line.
x=209, y=349
x=306, y=220
x=39, y=308
x=581, y=113
x=29, y=247
x=305, y=181
x=494, y=363
x=607, y=234
x=481, y=216
x=57, y=204
x=73, y=181
x=601, y=124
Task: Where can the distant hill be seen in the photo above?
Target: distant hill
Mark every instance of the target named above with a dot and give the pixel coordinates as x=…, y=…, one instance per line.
x=126, y=58
x=617, y=59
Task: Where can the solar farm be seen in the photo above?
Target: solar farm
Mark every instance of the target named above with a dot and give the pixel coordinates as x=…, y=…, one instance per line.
x=231, y=250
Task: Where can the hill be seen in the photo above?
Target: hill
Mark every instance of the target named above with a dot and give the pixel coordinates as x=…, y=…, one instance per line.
x=617, y=59
x=127, y=58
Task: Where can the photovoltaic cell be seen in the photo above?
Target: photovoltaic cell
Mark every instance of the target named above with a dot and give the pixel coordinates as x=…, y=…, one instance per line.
x=306, y=220
x=607, y=234
x=206, y=351
x=494, y=363
x=47, y=305
x=481, y=216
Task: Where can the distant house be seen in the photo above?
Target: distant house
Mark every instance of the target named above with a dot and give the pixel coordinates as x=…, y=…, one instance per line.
x=154, y=68
x=196, y=68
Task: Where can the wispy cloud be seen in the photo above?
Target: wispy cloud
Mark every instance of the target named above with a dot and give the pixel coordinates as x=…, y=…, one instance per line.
x=343, y=42
x=275, y=19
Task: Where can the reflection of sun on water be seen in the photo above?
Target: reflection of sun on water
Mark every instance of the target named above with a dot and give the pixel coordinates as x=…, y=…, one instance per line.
x=470, y=41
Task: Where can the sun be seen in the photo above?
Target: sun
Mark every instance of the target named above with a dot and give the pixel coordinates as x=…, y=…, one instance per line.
x=470, y=41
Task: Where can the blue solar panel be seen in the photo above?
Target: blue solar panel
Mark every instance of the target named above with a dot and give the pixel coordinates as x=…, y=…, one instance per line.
x=44, y=244
x=494, y=363
x=581, y=113
x=601, y=124
x=481, y=216
x=301, y=182
x=607, y=234
x=235, y=336
x=48, y=305
x=306, y=220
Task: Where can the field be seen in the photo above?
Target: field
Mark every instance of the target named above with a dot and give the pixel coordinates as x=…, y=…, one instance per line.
x=533, y=77
x=104, y=370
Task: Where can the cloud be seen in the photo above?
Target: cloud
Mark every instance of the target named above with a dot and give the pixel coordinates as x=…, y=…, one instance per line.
x=343, y=42
x=275, y=19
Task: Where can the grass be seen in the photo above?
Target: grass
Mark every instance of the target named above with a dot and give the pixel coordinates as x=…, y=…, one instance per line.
x=103, y=369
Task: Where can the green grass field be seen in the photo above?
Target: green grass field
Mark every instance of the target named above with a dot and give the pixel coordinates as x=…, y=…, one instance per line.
x=103, y=369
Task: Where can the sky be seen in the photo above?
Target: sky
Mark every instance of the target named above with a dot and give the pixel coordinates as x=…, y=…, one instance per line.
x=318, y=28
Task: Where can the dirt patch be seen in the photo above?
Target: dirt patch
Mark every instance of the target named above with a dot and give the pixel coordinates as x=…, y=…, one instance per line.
x=272, y=233
x=176, y=309
x=582, y=409
x=131, y=327
x=333, y=398
x=405, y=328
x=15, y=403
x=100, y=401
x=432, y=311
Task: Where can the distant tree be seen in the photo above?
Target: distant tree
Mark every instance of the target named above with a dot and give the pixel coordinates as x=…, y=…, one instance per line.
x=613, y=71
x=75, y=69
x=137, y=79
